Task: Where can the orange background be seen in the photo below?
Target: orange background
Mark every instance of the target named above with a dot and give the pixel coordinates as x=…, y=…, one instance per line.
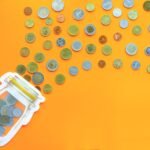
x=103, y=109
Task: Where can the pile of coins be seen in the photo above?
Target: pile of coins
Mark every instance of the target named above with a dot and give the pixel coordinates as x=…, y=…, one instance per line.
x=73, y=30
x=8, y=112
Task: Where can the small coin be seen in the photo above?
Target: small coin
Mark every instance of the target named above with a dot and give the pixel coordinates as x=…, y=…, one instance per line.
x=27, y=11
x=60, y=79
x=17, y=112
x=52, y=65
x=45, y=31
x=24, y=51
x=60, y=42
x=47, y=88
x=11, y=100
x=105, y=20
x=2, y=130
x=133, y=14
x=58, y=5
x=101, y=63
x=73, y=70
x=39, y=57
x=117, y=36
x=78, y=14
x=73, y=30
x=131, y=49
x=47, y=45
x=60, y=18
x=2, y=103
x=27, y=77
x=30, y=38
x=124, y=23
x=21, y=69
x=147, y=51
x=137, y=30
x=37, y=78
x=32, y=67
x=49, y=21
x=90, y=29
x=117, y=12
x=102, y=39
x=148, y=69
x=43, y=12
x=107, y=4
x=29, y=23
x=76, y=45
x=107, y=50
x=87, y=65
x=66, y=54
x=37, y=87
x=90, y=48
x=6, y=111
x=146, y=5
x=128, y=3
x=4, y=120
x=117, y=63
x=57, y=30
x=135, y=65
x=90, y=7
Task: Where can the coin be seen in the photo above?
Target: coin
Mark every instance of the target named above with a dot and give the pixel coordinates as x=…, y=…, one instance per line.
x=2, y=130
x=90, y=7
x=106, y=20
x=117, y=63
x=2, y=103
x=87, y=65
x=17, y=112
x=90, y=29
x=21, y=69
x=30, y=38
x=133, y=14
x=135, y=65
x=32, y=67
x=57, y=30
x=52, y=65
x=27, y=11
x=27, y=77
x=37, y=87
x=49, y=21
x=148, y=69
x=24, y=51
x=131, y=49
x=128, y=3
x=43, y=12
x=6, y=111
x=147, y=51
x=107, y=4
x=37, y=78
x=47, y=88
x=60, y=42
x=73, y=70
x=47, y=45
x=90, y=48
x=146, y=5
x=117, y=36
x=137, y=30
x=76, y=45
x=101, y=63
x=57, y=5
x=39, y=57
x=4, y=120
x=66, y=54
x=60, y=79
x=45, y=31
x=73, y=30
x=29, y=23
x=117, y=12
x=124, y=23
x=102, y=39
x=107, y=50
x=11, y=100
x=60, y=18
x=78, y=14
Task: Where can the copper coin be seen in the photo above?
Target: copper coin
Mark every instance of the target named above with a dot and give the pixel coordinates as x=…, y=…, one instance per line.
x=37, y=87
x=57, y=30
x=103, y=39
x=117, y=36
x=60, y=18
x=27, y=11
x=101, y=63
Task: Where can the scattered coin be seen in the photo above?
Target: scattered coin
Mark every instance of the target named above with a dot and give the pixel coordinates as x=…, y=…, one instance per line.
x=117, y=63
x=21, y=69
x=90, y=7
x=29, y=23
x=24, y=52
x=124, y=23
x=37, y=87
x=60, y=79
x=107, y=50
x=87, y=65
x=47, y=88
x=60, y=42
x=102, y=39
x=73, y=30
x=148, y=69
x=45, y=31
x=66, y=54
x=76, y=45
x=133, y=14
x=106, y=20
x=147, y=51
x=43, y=12
x=49, y=21
x=11, y=100
x=30, y=38
x=37, y=78
x=39, y=57
x=146, y=5
x=73, y=70
x=90, y=29
x=107, y=4
x=117, y=36
x=27, y=11
x=27, y=77
x=131, y=49
x=32, y=67
x=117, y=12
x=78, y=14
x=57, y=30
x=2, y=103
x=47, y=45
x=17, y=112
x=137, y=30
x=128, y=3
x=135, y=65
x=58, y=5
x=60, y=18
x=101, y=63
x=90, y=48
x=52, y=65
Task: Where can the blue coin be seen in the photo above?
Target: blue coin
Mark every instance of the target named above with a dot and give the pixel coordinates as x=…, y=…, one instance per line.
x=107, y=4
x=76, y=45
x=124, y=23
x=2, y=130
x=135, y=65
x=78, y=14
x=2, y=103
x=17, y=112
x=7, y=111
x=128, y=3
x=147, y=51
x=11, y=100
x=60, y=42
x=73, y=70
x=87, y=65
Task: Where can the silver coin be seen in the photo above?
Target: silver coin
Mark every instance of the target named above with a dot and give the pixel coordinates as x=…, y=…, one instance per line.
x=78, y=14
x=17, y=112
x=11, y=100
x=52, y=65
x=43, y=12
x=38, y=78
x=76, y=45
x=57, y=5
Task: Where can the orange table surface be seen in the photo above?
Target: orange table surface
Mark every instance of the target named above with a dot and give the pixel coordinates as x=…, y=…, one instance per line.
x=103, y=109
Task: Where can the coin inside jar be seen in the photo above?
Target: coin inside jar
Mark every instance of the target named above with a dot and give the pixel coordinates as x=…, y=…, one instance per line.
x=60, y=18
x=101, y=63
x=117, y=36
x=103, y=39
x=57, y=30
x=27, y=11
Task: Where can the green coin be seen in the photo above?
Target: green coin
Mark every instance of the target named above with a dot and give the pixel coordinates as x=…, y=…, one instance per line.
x=38, y=78
x=73, y=30
x=39, y=57
x=106, y=20
x=49, y=21
x=133, y=14
x=21, y=69
x=117, y=63
x=47, y=88
x=90, y=7
x=45, y=31
x=30, y=38
x=90, y=48
x=27, y=77
x=60, y=79
x=29, y=23
x=148, y=68
x=66, y=54
x=146, y=5
x=32, y=67
x=106, y=50
x=24, y=52
x=4, y=120
x=47, y=45
x=137, y=30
